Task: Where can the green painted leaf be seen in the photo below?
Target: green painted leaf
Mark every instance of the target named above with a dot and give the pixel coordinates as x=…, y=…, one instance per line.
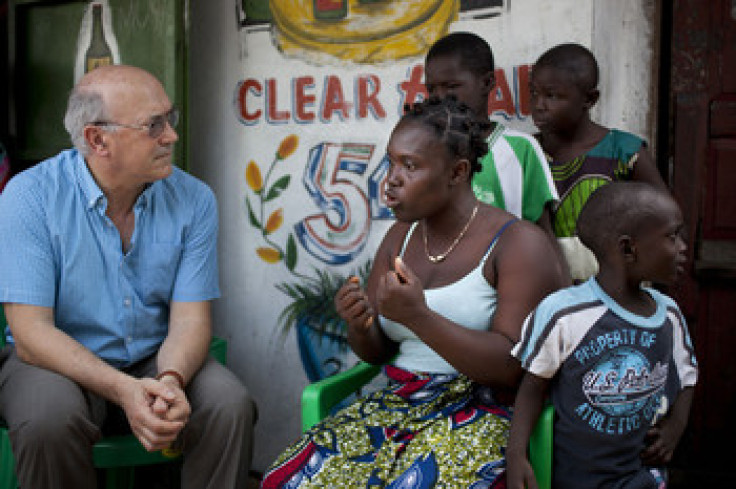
x=253, y=219
x=291, y=253
x=278, y=187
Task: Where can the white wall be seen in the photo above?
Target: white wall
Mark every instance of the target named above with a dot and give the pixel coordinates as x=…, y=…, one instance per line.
x=221, y=146
x=624, y=42
x=270, y=369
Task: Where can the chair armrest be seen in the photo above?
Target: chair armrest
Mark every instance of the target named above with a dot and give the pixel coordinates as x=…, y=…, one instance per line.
x=127, y=451
x=540, y=448
x=318, y=398
x=218, y=349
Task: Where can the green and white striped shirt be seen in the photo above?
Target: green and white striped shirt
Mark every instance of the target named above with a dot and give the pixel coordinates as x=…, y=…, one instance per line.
x=515, y=174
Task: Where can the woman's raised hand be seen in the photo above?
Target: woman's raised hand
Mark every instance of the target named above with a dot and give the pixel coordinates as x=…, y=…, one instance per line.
x=353, y=306
x=400, y=293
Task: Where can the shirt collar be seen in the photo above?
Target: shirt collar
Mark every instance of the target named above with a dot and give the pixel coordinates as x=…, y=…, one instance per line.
x=145, y=196
x=93, y=194
x=496, y=133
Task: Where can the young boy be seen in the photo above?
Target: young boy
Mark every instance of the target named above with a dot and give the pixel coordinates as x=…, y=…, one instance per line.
x=515, y=175
x=617, y=358
x=582, y=155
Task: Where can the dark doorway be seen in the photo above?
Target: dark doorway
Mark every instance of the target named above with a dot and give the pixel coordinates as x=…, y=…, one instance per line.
x=699, y=145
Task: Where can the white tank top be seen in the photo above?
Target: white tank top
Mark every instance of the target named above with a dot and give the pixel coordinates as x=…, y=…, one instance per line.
x=469, y=302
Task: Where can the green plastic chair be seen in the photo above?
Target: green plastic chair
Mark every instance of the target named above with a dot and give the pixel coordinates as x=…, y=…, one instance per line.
x=117, y=455
x=320, y=397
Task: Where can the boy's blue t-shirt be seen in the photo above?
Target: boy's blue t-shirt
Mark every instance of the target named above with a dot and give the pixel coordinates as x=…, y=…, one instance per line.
x=613, y=374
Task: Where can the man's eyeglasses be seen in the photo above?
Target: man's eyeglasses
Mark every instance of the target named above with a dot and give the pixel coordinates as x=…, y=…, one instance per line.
x=155, y=127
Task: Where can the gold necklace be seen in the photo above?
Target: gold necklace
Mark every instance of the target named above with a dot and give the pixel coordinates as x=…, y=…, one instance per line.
x=442, y=256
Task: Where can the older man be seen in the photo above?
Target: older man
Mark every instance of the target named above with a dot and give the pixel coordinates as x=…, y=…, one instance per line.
x=107, y=269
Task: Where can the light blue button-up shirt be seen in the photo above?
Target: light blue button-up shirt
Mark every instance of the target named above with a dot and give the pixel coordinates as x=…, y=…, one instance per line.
x=58, y=249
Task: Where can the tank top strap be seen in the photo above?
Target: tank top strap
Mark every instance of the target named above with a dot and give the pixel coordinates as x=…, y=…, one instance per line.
x=496, y=237
x=490, y=247
x=407, y=237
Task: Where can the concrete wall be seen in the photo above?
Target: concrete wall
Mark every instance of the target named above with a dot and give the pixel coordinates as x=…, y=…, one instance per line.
x=222, y=56
x=625, y=40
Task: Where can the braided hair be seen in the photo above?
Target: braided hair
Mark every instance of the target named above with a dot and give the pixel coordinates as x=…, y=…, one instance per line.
x=455, y=125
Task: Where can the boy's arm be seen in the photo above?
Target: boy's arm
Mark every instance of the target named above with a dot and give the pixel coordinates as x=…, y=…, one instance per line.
x=662, y=438
x=528, y=406
x=645, y=170
x=545, y=222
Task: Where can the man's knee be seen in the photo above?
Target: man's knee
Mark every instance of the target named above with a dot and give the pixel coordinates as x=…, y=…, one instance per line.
x=57, y=427
x=235, y=404
x=42, y=407
x=223, y=396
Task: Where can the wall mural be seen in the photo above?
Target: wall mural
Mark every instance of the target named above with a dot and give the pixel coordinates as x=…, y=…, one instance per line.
x=336, y=235
x=55, y=43
x=96, y=44
x=341, y=176
x=359, y=31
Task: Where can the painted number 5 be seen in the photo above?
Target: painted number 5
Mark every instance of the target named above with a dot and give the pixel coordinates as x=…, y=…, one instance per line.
x=332, y=178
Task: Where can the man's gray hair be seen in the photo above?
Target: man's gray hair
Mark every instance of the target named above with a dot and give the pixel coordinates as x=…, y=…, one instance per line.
x=84, y=107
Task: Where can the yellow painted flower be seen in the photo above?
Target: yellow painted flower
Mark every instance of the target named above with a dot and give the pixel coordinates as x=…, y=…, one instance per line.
x=268, y=254
x=253, y=177
x=274, y=221
x=287, y=146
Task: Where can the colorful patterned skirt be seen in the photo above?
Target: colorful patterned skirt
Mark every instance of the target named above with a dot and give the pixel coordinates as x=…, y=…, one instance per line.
x=423, y=430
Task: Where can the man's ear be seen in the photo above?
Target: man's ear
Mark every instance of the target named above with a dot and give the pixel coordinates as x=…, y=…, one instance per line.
x=96, y=140
x=627, y=248
x=460, y=171
x=591, y=98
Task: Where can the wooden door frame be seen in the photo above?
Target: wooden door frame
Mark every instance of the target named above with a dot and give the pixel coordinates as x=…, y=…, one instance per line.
x=696, y=55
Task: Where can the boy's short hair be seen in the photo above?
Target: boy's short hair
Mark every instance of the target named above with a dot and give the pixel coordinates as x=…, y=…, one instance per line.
x=574, y=59
x=615, y=210
x=474, y=51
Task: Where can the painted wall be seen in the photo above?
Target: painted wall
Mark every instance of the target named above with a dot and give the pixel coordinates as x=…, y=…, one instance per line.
x=265, y=107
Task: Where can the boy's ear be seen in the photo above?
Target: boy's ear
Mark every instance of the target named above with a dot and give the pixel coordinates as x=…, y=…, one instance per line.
x=592, y=97
x=627, y=248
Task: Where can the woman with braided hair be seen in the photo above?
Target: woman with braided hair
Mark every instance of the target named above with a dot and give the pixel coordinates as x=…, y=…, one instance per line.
x=452, y=282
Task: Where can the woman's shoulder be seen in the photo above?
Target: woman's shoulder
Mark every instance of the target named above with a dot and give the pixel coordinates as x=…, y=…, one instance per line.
x=513, y=229
x=510, y=235
x=395, y=237
x=523, y=243
x=499, y=222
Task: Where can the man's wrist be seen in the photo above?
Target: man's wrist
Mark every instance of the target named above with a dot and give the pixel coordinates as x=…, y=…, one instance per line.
x=172, y=374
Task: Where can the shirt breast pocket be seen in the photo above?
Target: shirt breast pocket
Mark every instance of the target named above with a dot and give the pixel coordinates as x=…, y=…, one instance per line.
x=158, y=271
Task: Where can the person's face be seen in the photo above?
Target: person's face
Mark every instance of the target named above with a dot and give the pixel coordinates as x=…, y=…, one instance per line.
x=140, y=158
x=660, y=246
x=558, y=104
x=420, y=168
x=445, y=75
